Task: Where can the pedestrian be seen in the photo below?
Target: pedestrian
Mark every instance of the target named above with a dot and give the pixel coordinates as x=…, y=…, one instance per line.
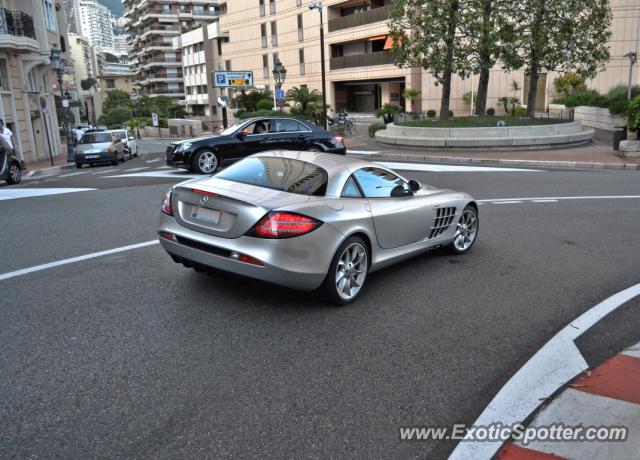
x=79, y=134
x=7, y=135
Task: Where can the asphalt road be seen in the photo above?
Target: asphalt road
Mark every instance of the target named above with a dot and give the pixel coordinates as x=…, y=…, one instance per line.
x=131, y=355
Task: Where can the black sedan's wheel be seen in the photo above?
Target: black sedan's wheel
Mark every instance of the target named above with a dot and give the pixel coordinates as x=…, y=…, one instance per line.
x=15, y=174
x=205, y=162
x=348, y=272
x=313, y=149
x=466, y=231
x=79, y=165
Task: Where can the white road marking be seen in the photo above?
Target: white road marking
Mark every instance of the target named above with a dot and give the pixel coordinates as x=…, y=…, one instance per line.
x=555, y=364
x=153, y=161
x=632, y=351
x=179, y=174
x=445, y=168
x=138, y=169
x=164, y=167
x=505, y=202
x=104, y=171
x=363, y=152
x=542, y=199
x=16, y=193
x=72, y=260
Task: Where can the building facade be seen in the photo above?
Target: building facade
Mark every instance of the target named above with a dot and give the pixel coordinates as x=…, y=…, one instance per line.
x=84, y=66
x=201, y=51
x=153, y=24
x=29, y=91
x=95, y=21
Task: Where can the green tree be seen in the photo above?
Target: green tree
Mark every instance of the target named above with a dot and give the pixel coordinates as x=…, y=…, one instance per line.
x=116, y=99
x=248, y=99
x=433, y=34
x=88, y=83
x=116, y=117
x=303, y=100
x=569, y=83
x=561, y=35
x=412, y=96
x=633, y=114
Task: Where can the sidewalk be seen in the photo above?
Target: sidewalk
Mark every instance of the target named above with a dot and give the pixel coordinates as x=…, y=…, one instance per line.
x=44, y=166
x=607, y=396
x=590, y=156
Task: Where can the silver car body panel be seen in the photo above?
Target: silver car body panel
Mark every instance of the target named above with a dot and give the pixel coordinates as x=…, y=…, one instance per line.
x=394, y=228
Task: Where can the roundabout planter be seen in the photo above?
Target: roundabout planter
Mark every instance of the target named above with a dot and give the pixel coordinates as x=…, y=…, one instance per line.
x=515, y=137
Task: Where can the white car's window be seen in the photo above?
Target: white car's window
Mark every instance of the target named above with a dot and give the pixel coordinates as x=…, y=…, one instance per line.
x=379, y=183
x=350, y=189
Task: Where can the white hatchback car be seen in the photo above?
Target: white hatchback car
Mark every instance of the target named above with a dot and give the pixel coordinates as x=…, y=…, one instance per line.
x=129, y=141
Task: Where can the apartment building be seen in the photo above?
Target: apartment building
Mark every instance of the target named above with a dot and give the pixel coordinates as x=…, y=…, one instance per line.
x=361, y=76
x=29, y=29
x=153, y=24
x=85, y=66
x=94, y=21
x=201, y=51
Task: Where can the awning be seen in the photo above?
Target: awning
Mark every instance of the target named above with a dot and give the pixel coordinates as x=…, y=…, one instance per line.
x=389, y=43
x=378, y=37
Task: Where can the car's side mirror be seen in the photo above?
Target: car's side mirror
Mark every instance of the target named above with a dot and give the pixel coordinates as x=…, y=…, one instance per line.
x=414, y=185
x=399, y=191
x=241, y=135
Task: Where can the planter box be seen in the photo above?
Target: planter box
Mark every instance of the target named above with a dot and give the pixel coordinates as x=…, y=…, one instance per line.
x=596, y=117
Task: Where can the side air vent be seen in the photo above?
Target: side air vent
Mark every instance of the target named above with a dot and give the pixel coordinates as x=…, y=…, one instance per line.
x=444, y=219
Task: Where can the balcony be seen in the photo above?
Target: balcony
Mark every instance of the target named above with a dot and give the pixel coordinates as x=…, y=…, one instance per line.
x=360, y=19
x=361, y=60
x=16, y=31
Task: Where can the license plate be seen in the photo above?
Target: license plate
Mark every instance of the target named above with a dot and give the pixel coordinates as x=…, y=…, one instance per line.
x=92, y=156
x=208, y=215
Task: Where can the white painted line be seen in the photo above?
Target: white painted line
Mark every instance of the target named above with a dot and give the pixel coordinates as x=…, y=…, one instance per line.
x=16, y=193
x=544, y=201
x=104, y=171
x=138, y=169
x=165, y=167
x=558, y=198
x=448, y=168
x=93, y=255
x=73, y=174
x=505, y=202
x=632, y=351
x=153, y=161
x=177, y=174
x=363, y=152
x=555, y=364
x=573, y=408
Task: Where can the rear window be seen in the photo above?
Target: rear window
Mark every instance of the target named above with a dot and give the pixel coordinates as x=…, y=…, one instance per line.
x=286, y=174
x=95, y=138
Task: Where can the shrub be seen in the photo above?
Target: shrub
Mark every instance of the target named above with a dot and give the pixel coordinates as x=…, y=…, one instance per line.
x=373, y=127
x=264, y=104
x=491, y=111
x=519, y=112
x=589, y=98
x=633, y=114
x=387, y=112
x=431, y=113
x=466, y=97
x=569, y=84
x=450, y=113
x=261, y=113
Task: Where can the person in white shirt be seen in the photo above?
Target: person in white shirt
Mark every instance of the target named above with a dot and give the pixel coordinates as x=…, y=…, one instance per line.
x=79, y=133
x=6, y=134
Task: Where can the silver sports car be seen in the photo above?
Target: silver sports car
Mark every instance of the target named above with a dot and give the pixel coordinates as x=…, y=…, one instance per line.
x=311, y=220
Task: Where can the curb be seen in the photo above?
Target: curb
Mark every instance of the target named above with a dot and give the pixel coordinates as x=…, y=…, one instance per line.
x=491, y=162
x=47, y=171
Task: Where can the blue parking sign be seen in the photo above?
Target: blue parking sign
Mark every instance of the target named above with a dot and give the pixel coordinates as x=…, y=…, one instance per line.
x=280, y=94
x=221, y=79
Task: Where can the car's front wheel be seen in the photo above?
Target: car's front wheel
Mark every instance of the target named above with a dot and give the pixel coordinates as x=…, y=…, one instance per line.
x=205, y=162
x=15, y=174
x=466, y=231
x=347, y=272
x=127, y=155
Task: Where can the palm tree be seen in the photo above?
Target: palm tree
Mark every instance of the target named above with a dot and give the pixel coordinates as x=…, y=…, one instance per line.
x=411, y=95
x=303, y=99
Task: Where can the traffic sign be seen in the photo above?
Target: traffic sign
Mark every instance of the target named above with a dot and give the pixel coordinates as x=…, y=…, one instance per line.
x=231, y=79
x=280, y=102
x=280, y=94
x=223, y=101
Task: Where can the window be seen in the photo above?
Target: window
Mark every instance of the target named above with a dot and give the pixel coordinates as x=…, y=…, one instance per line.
x=285, y=174
x=262, y=11
x=301, y=58
x=275, y=59
x=4, y=75
x=265, y=66
x=286, y=125
x=198, y=8
x=166, y=8
x=272, y=6
x=49, y=15
x=183, y=8
x=256, y=128
x=219, y=42
x=300, y=28
x=263, y=34
x=379, y=183
x=274, y=33
x=111, y=83
x=227, y=65
x=350, y=189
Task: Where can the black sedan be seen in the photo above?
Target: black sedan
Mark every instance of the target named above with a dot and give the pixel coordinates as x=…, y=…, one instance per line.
x=205, y=154
x=10, y=166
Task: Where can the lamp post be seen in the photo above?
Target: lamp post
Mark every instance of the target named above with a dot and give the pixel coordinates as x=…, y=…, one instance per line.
x=279, y=75
x=58, y=66
x=633, y=58
x=317, y=5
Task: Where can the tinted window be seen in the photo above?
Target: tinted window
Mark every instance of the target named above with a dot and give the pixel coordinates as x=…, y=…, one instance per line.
x=95, y=138
x=350, y=189
x=286, y=174
x=379, y=183
x=285, y=125
x=257, y=127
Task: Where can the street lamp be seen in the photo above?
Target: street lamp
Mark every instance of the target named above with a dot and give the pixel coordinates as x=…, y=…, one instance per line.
x=633, y=58
x=58, y=66
x=317, y=5
x=279, y=74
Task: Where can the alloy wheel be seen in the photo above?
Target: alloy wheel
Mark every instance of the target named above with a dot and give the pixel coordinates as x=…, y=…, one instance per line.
x=208, y=162
x=351, y=271
x=15, y=173
x=466, y=230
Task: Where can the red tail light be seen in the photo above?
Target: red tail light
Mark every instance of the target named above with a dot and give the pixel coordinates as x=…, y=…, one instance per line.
x=338, y=139
x=166, y=204
x=277, y=224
